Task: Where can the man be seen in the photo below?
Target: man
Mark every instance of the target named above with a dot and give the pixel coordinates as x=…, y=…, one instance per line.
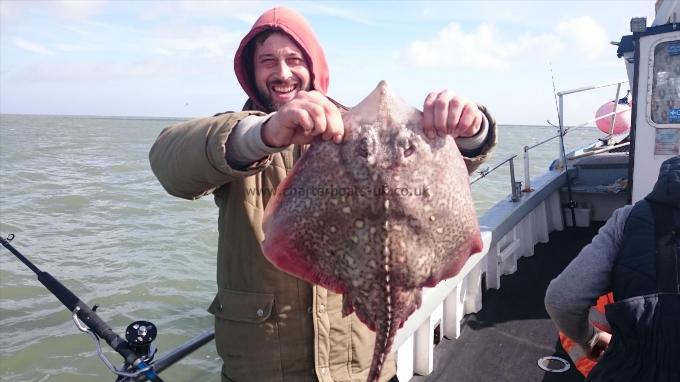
x=269, y=325
x=636, y=256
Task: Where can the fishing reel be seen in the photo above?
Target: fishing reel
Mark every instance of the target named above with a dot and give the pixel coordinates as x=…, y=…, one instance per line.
x=140, y=336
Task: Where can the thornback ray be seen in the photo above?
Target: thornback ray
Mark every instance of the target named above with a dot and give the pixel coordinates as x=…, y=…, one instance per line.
x=377, y=217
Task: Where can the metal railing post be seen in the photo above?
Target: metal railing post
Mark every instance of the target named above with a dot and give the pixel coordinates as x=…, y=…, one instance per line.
x=515, y=190
x=527, y=178
x=560, y=116
x=487, y=171
x=616, y=106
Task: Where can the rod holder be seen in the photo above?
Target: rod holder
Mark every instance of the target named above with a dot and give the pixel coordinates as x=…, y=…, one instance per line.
x=527, y=177
x=516, y=191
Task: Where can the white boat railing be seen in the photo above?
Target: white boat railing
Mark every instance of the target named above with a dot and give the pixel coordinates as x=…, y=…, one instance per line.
x=564, y=130
x=515, y=187
x=510, y=230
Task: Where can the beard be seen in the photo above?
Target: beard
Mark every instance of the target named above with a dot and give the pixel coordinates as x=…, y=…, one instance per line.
x=271, y=105
x=266, y=100
x=265, y=94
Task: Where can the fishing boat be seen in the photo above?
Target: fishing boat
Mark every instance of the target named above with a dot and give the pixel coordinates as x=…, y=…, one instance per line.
x=489, y=322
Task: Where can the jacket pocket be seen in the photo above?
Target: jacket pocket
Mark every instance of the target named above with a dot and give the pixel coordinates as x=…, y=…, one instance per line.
x=246, y=335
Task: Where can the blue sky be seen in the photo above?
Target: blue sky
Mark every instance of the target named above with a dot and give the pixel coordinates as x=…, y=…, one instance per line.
x=174, y=58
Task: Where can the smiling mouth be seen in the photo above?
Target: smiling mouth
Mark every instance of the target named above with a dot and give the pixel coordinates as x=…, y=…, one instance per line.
x=283, y=90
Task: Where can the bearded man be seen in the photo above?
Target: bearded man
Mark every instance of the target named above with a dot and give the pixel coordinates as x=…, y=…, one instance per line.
x=270, y=326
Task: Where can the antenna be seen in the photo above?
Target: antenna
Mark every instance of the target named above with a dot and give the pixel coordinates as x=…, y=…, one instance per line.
x=557, y=108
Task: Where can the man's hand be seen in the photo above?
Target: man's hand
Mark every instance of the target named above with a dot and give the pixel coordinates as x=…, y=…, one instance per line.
x=597, y=345
x=446, y=113
x=300, y=120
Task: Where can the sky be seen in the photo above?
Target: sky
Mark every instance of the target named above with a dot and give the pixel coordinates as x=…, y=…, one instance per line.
x=175, y=58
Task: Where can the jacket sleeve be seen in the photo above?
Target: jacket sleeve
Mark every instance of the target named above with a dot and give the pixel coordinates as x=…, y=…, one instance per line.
x=475, y=159
x=189, y=158
x=571, y=294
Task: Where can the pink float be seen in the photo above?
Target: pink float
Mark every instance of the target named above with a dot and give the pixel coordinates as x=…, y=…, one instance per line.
x=622, y=123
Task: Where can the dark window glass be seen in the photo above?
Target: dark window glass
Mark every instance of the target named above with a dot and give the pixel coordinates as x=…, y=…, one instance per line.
x=665, y=105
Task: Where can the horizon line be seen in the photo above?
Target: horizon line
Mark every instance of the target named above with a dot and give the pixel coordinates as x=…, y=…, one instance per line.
x=189, y=118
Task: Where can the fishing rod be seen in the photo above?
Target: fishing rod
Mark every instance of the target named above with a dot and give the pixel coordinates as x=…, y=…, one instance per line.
x=89, y=322
x=571, y=204
x=137, y=350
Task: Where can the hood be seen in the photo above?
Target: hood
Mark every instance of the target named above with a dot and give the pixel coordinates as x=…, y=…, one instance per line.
x=295, y=26
x=667, y=187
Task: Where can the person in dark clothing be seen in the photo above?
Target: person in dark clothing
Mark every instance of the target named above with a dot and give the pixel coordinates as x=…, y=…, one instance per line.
x=636, y=255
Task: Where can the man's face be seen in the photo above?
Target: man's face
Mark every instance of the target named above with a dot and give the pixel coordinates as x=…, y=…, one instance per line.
x=280, y=70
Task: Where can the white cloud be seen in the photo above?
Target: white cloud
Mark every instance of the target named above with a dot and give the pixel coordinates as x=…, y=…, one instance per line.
x=245, y=11
x=11, y=10
x=6, y=9
x=466, y=11
x=70, y=47
x=77, y=9
x=163, y=51
x=196, y=39
x=249, y=11
x=486, y=47
x=31, y=46
x=344, y=12
x=589, y=37
x=73, y=10
x=107, y=71
x=482, y=48
x=208, y=41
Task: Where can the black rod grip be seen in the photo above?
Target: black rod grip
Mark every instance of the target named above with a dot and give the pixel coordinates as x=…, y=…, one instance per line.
x=88, y=316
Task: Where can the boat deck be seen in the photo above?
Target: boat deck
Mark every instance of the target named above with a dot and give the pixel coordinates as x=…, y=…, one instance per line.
x=504, y=340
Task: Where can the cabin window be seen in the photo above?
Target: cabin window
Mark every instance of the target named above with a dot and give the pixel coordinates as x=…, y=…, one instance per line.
x=665, y=102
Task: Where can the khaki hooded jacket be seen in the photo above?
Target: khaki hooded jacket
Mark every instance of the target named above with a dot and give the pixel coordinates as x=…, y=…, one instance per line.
x=269, y=326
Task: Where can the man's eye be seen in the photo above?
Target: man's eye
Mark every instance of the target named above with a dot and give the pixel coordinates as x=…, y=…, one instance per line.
x=268, y=61
x=295, y=61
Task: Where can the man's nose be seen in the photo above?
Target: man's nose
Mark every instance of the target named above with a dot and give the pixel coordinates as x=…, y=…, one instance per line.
x=283, y=70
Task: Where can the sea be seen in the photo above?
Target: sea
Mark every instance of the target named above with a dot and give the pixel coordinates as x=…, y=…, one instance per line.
x=79, y=196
